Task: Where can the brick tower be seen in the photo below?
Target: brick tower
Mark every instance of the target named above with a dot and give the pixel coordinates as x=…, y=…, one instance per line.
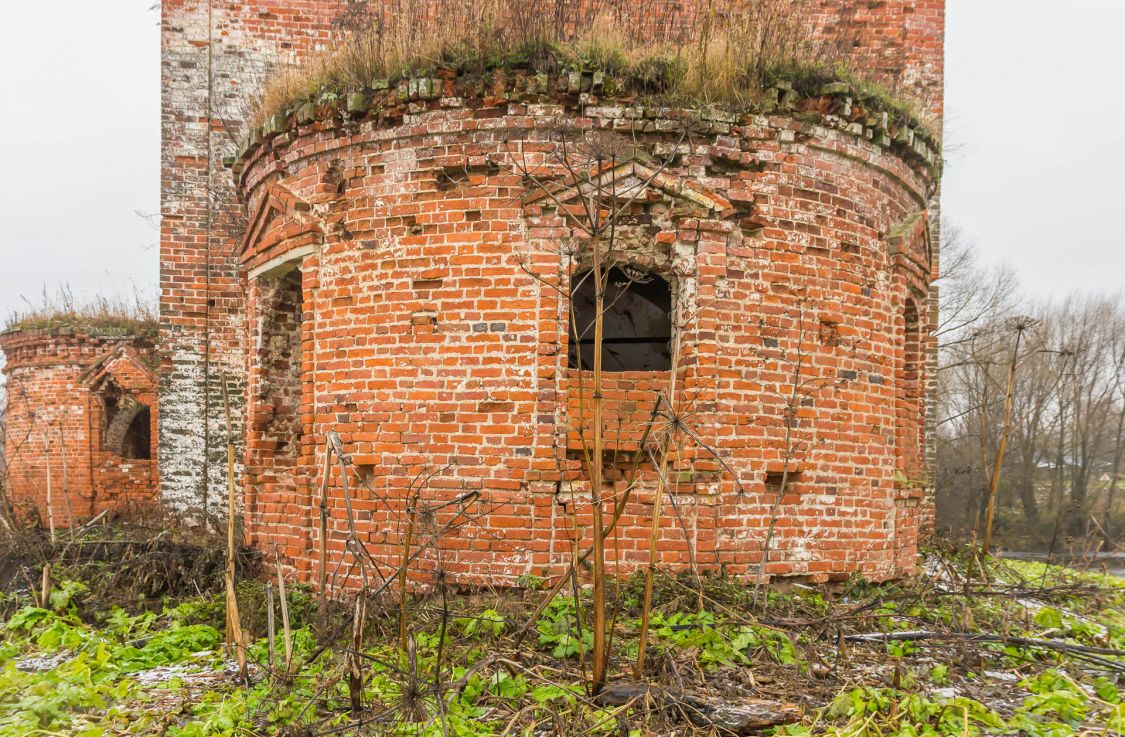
x=393, y=282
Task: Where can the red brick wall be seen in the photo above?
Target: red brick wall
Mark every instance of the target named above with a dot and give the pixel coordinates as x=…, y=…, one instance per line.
x=216, y=51
x=435, y=354
x=215, y=54
x=56, y=426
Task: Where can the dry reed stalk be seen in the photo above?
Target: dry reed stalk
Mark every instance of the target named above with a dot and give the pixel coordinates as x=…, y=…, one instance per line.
x=654, y=534
x=403, y=578
x=66, y=483
x=45, y=587
x=322, y=563
x=270, y=632
x=601, y=655
x=235, y=634
x=50, y=501
x=355, y=663
x=288, y=634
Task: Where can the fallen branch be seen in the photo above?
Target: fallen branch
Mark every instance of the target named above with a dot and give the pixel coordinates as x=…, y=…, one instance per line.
x=736, y=716
x=1059, y=646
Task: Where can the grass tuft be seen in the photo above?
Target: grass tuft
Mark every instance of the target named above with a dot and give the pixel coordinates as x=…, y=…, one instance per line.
x=135, y=313
x=697, y=56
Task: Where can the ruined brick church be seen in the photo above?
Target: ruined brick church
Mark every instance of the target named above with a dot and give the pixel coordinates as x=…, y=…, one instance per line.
x=369, y=269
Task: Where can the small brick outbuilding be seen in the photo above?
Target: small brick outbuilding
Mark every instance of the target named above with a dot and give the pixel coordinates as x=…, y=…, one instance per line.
x=81, y=431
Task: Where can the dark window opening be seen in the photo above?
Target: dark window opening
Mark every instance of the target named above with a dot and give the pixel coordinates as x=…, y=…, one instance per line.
x=137, y=443
x=909, y=394
x=774, y=480
x=126, y=431
x=636, y=324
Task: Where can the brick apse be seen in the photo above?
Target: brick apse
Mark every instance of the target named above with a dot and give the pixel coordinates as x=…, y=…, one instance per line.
x=81, y=421
x=381, y=270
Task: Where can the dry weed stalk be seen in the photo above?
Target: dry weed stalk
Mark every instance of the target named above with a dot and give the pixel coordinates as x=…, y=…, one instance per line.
x=654, y=534
x=65, y=480
x=270, y=630
x=50, y=499
x=322, y=559
x=286, y=631
x=403, y=577
x=236, y=638
x=355, y=661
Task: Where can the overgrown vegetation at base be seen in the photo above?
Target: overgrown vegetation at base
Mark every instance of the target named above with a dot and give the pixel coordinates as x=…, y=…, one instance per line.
x=699, y=55
x=969, y=648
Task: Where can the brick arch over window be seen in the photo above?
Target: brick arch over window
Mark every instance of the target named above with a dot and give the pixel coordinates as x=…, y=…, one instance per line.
x=637, y=321
x=910, y=393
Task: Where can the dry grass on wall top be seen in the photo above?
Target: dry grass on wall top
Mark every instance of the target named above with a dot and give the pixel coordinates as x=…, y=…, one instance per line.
x=134, y=315
x=695, y=56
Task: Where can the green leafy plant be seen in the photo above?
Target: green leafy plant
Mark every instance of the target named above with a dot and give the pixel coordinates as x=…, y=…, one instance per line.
x=488, y=623
x=558, y=630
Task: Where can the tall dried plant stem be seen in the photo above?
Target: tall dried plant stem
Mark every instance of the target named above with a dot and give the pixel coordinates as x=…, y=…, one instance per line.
x=600, y=654
x=322, y=563
x=654, y=533
x=994, y=479
x=284, y=614
x=619, y=509
x=270, y=629
x=45, y=587
x=66, y=483
x=411, y=515
x=50, y=499
x=355, y=663
x=234, y=621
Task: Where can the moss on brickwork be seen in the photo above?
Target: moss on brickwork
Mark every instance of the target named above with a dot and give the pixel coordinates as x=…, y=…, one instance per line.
x=102, y=325
x=748, y=62
x=807, y=96
x=803, y=88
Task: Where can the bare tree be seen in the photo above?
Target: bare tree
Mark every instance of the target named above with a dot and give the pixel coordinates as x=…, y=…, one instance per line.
x=1056, y=427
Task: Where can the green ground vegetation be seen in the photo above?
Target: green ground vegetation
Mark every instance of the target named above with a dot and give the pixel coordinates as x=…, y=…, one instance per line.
x=92, y=661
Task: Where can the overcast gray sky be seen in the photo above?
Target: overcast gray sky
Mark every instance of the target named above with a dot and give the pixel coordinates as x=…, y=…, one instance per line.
x=1035, y=168
x=79, y=147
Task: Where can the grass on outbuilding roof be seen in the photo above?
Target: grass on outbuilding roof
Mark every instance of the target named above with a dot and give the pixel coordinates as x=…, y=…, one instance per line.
x=135, y=314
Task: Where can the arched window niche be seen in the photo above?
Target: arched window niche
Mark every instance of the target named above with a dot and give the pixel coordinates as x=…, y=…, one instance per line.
x=636, y=326
x=128, y=430
x=910, y=391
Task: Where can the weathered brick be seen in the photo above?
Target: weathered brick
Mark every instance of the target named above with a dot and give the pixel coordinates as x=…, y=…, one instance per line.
x=82, y=417
x=362, y=341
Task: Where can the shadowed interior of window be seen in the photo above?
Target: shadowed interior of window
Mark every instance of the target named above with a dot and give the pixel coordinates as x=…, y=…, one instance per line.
x=637, y=322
